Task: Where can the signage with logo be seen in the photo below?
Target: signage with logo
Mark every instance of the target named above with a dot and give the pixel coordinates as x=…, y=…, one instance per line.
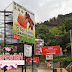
x=39, y=43
x=49, y=64
x=11, y=60
x=27, y=50
x=49, y=57
x=37, y=46
x=35, y=60
x=23, y=24
x=11, y=63
x=50, y=50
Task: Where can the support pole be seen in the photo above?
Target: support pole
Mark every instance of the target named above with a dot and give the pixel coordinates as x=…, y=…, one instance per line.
x=32, y=63
x=23, y=53
x=32, y=56
x=4, y=33
x=71, y=42
x=25, y=63
x=22, y=68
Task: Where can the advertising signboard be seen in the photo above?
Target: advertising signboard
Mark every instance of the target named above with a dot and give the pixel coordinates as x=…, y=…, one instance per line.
x=35, y=60
x=11, y=63
x=50, y=50
x=23, y=24
x=27, y=50
x=11, y=60
x=49, y=57
x=39, y=43
x=49, y=64
x=37, y=46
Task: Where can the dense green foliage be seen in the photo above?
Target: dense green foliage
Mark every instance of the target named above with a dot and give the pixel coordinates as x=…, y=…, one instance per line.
x=56, y=32
x=53, y=36
x=62, y=59
x=68, y=24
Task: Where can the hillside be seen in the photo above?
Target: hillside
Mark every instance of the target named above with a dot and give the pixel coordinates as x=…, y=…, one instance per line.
x=55, y=32
x=56, y=21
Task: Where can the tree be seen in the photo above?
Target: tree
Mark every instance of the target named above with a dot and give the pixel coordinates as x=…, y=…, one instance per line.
x=42, y=31
x=68, y=24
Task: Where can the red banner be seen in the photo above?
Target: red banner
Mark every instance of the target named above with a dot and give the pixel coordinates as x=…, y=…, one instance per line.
x=35, y=60
x=16, y=36
x=50, y=50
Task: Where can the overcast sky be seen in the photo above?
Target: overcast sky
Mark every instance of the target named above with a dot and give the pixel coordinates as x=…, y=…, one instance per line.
x=43, y=9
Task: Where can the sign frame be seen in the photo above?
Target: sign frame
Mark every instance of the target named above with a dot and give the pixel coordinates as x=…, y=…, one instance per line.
x=50, y=50
x=23, y=24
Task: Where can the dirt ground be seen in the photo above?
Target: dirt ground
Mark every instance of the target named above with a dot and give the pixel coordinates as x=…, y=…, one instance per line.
x=17, y=70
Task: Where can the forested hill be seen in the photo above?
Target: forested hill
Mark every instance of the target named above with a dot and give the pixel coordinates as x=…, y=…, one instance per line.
x=56, y=32
x=57, y=21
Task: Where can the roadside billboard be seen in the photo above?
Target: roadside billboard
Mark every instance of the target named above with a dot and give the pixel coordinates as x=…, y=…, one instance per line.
x=39, y=43
x=50, y=50
x=11, y=60
x=23, y=24
x=49, y=57
x=37, y=46
x=49, y=64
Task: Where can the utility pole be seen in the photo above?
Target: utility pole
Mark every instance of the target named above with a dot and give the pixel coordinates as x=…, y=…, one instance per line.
x=71, y=42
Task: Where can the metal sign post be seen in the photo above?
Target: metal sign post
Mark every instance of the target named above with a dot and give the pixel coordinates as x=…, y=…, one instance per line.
x=23, y=53
x=25, y=63
x=28, y=45
x=32, y=62
x=4, y=33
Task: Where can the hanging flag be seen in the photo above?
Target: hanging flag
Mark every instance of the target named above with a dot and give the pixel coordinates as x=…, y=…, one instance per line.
x=27, y=50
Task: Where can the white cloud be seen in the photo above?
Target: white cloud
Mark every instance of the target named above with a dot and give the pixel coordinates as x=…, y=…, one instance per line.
x=53, y=8
x=43, y=9
x=4, y=4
